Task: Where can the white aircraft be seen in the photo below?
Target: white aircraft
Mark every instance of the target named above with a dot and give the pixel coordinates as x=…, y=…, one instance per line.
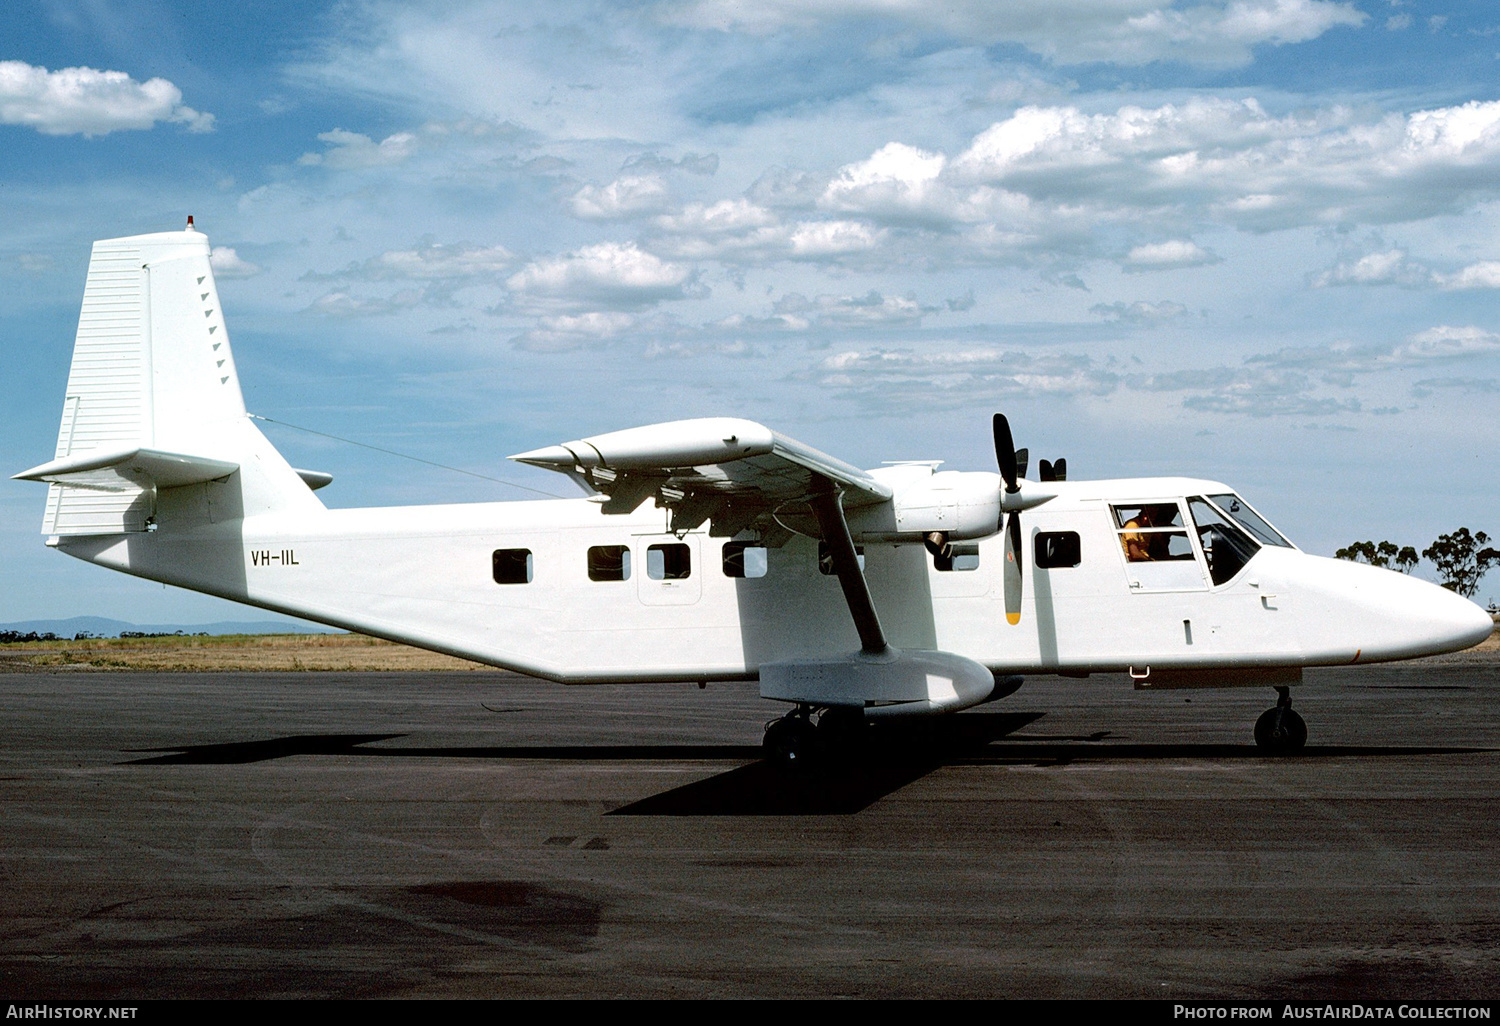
x=853, y=595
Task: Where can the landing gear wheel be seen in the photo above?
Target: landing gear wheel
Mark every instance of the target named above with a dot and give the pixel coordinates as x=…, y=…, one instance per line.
x=792, y=743
x=1280, y=730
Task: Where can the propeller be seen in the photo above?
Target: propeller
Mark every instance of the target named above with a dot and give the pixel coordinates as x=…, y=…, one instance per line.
x=1010, y=471
x=1012, y=463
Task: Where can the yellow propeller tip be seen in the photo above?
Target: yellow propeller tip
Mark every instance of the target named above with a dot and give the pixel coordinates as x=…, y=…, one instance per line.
x=1012, y=618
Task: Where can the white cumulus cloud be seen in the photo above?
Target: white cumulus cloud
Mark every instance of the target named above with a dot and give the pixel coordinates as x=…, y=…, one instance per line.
x=574, y=331
x=1390, y=267
x=609, y=273
x=738, y=230
x=350, y=151
x=85, y=101
x=873, y=308
x=730, y=215
x=1164, y=256
x=895, y=177
x=1483, y=275
x=1047, y=179
x=1446, y=342
x=832, y=238
x=1395, y=267
x=229, y=264
x=625, y=197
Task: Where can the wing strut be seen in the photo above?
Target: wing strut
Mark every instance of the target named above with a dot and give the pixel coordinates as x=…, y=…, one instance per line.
x=828, y=506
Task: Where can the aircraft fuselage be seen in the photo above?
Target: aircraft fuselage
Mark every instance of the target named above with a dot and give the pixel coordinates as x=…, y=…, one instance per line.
x=663, y=606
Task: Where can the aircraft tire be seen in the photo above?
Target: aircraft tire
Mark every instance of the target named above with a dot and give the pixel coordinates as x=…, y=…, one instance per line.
x=792, y=743
x=1280, y=730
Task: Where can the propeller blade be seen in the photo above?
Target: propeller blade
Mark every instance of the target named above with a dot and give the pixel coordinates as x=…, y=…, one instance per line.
x=1013, y=560
x=1060, y=469
x=1045, y=471
x=1023, y=458
x=1005, y=452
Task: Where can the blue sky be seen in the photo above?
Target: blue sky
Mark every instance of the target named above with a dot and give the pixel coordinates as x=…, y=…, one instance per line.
x=1250, y=240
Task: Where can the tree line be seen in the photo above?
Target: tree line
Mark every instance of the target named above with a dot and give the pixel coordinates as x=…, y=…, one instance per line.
x=1460, y=560
x=9, y=637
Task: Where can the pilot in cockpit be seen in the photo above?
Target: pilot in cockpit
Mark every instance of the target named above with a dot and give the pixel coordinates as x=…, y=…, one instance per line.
x=1143, y=546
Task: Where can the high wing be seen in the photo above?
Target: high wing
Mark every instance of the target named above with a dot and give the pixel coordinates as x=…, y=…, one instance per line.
x=733, y=473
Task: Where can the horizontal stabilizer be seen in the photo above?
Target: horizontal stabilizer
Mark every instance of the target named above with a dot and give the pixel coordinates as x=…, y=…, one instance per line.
x=128, y=469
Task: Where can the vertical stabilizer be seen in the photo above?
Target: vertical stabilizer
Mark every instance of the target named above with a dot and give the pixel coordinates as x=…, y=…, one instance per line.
x=152, y=369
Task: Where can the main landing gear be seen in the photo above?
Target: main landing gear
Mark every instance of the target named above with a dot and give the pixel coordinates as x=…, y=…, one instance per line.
x=795, y=743
x=1281, y=730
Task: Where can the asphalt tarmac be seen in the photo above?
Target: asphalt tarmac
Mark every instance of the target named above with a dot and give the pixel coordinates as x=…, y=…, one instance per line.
x=485, y=835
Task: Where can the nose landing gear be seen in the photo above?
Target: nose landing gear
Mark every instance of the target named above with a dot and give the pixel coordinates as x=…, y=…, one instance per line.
x=1281, y=730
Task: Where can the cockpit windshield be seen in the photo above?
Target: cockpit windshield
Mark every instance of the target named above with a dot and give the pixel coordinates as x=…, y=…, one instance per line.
x=1226, y=547
x=1239, y=510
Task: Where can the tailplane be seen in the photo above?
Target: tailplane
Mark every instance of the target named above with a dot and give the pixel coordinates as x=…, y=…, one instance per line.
x=154, y=403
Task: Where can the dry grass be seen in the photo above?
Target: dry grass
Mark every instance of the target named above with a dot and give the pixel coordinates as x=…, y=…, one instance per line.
x=264, y=652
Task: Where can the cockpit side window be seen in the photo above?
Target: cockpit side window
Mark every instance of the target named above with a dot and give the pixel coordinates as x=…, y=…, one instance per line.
x=1226, y=547
x=1240, y=512
x=1152, y=532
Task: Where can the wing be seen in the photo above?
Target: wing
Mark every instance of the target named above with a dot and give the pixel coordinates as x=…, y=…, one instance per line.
x=733, y=473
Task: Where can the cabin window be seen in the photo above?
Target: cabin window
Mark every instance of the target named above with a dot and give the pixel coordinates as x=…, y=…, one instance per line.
x=745, y=559
x=1225, y=546
x=956, y=557
x=609, y=563
x=1055, y=549
x=1153, y=533
x=825, y=559
x=672, y=561
x=512, y=566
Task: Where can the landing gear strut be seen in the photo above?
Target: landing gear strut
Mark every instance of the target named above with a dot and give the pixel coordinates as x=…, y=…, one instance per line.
x=1281, y=730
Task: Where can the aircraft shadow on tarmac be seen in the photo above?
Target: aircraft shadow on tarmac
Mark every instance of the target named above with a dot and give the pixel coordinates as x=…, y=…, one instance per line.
x=892, y=760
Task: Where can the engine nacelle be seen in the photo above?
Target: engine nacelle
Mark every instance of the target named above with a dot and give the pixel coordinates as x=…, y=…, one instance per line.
x=891, y=685
x=961, y=504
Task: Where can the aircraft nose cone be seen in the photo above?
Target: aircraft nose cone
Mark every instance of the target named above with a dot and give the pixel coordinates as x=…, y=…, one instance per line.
x=1471, y=625
x=1448, y=622
x=1371, y=615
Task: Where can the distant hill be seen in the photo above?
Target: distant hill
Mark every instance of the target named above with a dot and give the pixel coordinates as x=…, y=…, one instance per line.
x=102, y=627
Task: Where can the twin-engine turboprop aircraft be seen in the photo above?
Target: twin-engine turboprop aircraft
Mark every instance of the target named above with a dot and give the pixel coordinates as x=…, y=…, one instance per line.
x=852, y=595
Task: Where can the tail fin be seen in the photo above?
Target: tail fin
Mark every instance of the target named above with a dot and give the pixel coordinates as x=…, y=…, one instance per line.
x=153, y=399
